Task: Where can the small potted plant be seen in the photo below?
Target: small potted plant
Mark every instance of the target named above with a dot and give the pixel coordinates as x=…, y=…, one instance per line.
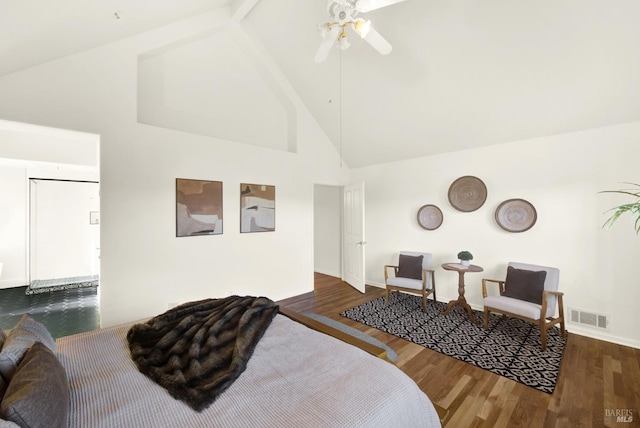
x=465, y=258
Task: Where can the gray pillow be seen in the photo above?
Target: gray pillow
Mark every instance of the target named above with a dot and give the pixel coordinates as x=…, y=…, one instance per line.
x=21, y=337
x=410, y=266
x=38, y=394
x=524, y=284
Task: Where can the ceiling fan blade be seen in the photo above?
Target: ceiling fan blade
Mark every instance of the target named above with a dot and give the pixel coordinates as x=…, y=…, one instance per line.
x=378, y=42
x=369, y=5
x=327, y=43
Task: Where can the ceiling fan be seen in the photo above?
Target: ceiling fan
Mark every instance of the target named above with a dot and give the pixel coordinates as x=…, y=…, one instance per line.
x=342, y=14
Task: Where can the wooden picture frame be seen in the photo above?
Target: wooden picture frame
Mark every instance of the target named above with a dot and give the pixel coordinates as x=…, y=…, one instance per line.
x=257, y=208
x=198, y=207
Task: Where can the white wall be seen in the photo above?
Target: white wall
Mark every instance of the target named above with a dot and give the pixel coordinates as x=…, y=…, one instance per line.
x=26, y=142
x=561, y=176
x=13, y=226
x=166, y=93
x=144, y=266
x=327, y=245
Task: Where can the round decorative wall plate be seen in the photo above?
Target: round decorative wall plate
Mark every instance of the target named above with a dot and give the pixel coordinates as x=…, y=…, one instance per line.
x=467, y=193
x=516, y=215
x=430, y=217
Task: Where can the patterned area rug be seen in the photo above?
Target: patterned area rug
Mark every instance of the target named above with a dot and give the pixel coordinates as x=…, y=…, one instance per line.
x=509, y=347
x=49, y=285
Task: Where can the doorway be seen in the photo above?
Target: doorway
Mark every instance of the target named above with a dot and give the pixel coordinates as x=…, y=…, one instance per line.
x=339, y=232
x=64, y=233
x=327, y=229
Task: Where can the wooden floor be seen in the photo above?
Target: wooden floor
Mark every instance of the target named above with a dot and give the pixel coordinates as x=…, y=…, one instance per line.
x=596, y=377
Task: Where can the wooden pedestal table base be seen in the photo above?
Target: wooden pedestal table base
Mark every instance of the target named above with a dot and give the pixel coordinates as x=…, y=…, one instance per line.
x=461, y=301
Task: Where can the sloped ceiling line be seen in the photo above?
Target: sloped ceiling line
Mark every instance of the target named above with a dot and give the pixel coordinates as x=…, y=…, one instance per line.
x=183, y=85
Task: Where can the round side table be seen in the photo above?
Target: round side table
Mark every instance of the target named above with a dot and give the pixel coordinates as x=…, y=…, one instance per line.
x=461, y=301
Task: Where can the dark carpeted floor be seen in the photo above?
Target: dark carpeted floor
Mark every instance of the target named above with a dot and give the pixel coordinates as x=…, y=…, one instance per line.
x=63, y=312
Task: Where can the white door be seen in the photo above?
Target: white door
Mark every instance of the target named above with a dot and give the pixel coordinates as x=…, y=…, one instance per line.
x=64, y=229
x=353, y=271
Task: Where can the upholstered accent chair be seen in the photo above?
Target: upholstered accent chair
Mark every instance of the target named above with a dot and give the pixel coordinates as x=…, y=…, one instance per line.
x=529, y=292
x=413, y=274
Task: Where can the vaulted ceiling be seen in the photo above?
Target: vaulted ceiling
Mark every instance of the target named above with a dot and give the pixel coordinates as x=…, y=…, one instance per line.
x=462, y=73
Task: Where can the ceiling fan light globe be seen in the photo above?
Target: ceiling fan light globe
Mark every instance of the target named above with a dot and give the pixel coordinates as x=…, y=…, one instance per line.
x=343, y=13
x=362, y=27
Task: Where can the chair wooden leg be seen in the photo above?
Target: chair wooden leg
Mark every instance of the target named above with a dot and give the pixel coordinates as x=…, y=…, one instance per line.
x=486, y=318
x=561, y=316
x=433, y=286
x=543, y=334
x=387, y=301
x=424, y=302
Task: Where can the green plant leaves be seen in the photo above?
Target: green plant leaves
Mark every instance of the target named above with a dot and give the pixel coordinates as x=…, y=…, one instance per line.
x=632, y=208
x=465, y=255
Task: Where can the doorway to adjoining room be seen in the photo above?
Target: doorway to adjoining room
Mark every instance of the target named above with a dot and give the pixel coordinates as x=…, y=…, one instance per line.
x=50, y=229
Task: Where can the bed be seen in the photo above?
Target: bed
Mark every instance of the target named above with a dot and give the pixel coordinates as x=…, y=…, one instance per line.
x=296, y=377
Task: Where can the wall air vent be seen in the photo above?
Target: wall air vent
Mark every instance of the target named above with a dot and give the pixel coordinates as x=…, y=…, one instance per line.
x=589, y=319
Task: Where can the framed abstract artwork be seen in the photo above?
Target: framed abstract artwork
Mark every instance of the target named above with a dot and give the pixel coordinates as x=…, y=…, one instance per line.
x=257, y=208
x=198, y=207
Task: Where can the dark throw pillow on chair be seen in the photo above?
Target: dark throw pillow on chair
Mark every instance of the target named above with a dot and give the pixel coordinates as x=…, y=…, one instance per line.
x=525, y=284
x=410, y=266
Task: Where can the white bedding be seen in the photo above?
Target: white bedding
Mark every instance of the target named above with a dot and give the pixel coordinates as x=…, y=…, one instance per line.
x=296, y=377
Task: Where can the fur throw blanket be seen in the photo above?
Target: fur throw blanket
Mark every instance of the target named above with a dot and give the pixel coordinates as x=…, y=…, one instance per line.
x=198, y=349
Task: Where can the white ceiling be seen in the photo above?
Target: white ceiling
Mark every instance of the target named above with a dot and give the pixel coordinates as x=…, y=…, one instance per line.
x=462, y=73
x=37, y=31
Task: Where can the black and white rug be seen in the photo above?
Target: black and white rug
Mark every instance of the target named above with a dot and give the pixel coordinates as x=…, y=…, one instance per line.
x=509, y=347
x=48, y=285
